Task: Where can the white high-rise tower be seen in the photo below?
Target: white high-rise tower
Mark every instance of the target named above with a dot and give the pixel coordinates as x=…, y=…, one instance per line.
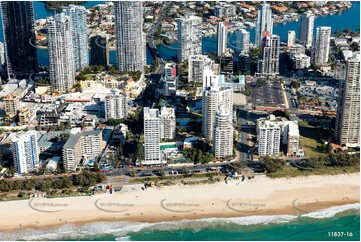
x=321, y=45
x=189, y=37
x=305, y=34
x=264, y=23
x=60, y=46
x=222, y=143
x=130, y=38
x=79, y=34
x=221, y=39
x=348, y=112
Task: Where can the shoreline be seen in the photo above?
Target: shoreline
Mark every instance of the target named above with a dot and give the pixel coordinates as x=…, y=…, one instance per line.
x=262, y=196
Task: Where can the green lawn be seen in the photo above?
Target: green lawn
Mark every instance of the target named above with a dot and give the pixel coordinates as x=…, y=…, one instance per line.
x=310, y=140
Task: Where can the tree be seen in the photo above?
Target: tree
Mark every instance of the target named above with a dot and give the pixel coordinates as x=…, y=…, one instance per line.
x=96, y=166
x=272, y=164
x=295, y=84
x=355, y=46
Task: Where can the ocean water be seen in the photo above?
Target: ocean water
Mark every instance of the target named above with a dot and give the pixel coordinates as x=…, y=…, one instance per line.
x=311, y=226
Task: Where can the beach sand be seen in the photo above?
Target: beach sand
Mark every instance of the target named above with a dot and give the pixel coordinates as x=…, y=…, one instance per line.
x=260, y=196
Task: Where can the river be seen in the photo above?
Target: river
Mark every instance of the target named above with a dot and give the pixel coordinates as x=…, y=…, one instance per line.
x=347, y=19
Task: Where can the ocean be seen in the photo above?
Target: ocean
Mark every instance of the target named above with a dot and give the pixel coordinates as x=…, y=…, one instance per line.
x=312, y=226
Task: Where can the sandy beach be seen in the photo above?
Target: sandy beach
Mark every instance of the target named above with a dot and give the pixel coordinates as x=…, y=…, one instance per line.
x=261, y=196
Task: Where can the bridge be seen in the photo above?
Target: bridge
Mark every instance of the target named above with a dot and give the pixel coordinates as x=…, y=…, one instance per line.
x=152, y=48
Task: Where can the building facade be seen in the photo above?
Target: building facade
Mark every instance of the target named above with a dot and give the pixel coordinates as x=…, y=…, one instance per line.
x=60, y=46
x=78, y=18
x=19, y=33
x=167, y=123
x=321, y=45
x=243, y=41
x=12, y=104
x=269, y=64
x=213, y=97
x=221, y=39
x=306, y=29
x=130, y=39
x=348, y=112
x=151, y=136
x=264, y=23
x=224, y=10
x=116, y=106
x=83, y=146
x=291, y=38
x=196, y=64
x=269, y=138
x=189, y=37
x=25, y=151
x=222, y=143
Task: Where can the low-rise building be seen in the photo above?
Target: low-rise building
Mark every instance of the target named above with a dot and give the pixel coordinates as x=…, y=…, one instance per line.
x=83, y=146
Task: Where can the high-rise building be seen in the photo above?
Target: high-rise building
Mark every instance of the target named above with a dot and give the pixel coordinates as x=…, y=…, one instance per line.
x=224, y=10
x=264, y=23
x=321, y=45
x=348, y=112
x=221, y=39
x=170, y=70
x=215, y=96
x=19, y=34
x=306, y=29
x=189, y=37
x=2, y=55
x=222, y=143
x=130, y=39
x=243, y=41
x=99, y=50
x=151, y=136
x=291, y=38
x=25, y=151
x=116, y=106
x=300, y=61
x=196, y=64
x=292, y=138
x=269, y=64
x=269, y=138
x=12, y=104
x=77, y=15
x=167, y=123
x=60, y=46
x=84, y=146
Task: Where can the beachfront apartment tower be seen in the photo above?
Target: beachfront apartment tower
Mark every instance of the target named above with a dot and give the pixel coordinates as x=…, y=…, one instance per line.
x=264, y=25
x=99, y=50
x=167, y=123
x=291, y=38
x=151, y=136
x=221, y=39
x=269, y=138
x=321, y=45
x=60, y=47
x=116, y=106
x=305, y=35
x=269, y=64
x=25, y=151
x=222, y=143
x=189, y=37
x=215, y=96
x=243, y=41
x=78, y=18
x=348, y=113
x=130, y=39
x=82, y=147
x=19, y=33
x=196, y=64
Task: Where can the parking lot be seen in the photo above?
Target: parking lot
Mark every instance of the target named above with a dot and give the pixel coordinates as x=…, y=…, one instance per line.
x=267, y=95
